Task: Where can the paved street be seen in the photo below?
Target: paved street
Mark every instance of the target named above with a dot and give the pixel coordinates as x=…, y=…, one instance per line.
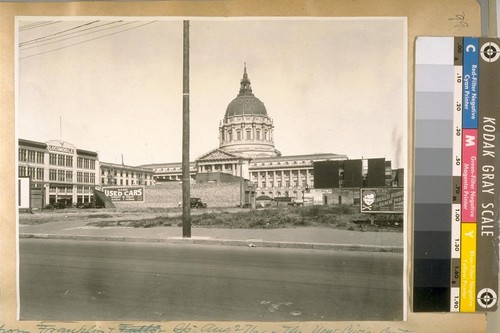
x=86, y=280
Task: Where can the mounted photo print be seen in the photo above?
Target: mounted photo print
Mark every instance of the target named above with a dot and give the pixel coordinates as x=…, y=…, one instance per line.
x=289, y=119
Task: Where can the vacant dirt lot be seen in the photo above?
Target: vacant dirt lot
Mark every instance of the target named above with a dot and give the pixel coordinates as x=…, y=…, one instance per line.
x=338, y=217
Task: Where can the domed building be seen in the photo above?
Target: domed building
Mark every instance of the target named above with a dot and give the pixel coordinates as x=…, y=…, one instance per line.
x=246, y=129
x=246, y=150
x=246, y=154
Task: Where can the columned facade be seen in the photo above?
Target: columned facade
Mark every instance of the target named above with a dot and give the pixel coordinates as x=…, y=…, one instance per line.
x=218, y=160
x=286, y=176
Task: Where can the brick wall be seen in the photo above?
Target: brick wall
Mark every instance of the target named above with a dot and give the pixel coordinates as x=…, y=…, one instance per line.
x=166, y=195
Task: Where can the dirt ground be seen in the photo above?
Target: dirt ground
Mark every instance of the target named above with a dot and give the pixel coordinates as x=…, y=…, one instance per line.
x=217, y=218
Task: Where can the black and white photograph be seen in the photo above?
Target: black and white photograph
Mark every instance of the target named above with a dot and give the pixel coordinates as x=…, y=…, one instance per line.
x=211, y=168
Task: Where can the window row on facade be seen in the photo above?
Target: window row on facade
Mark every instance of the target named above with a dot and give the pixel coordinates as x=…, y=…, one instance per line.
x=33, y=172
x=31, y=156
x=38, y=157
x=38, y=174
x=282, y=179
x=67, y=176
x=122, y=173
x=127, y=181
x=115, y=174
x=248, y=134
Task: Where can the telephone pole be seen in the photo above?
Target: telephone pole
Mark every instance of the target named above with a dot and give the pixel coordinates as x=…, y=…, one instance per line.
x=186, y=178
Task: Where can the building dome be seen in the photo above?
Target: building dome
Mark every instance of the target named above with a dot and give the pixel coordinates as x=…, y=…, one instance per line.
x=246, y=129
x=245, y=103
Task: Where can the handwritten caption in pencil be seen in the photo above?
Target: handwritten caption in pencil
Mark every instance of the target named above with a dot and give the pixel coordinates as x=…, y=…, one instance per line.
x=206, y=328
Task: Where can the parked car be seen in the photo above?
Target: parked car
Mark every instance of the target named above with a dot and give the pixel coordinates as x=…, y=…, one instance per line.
x=85, y=205
x=56, y=205
x=195, y=203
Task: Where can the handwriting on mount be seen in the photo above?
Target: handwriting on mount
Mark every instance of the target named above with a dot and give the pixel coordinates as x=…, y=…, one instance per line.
x=206, y=328
x=4, y=329
x=251, y=328
x=122, y=328
x=126, y=328
x=459, y=20
x=50, y=328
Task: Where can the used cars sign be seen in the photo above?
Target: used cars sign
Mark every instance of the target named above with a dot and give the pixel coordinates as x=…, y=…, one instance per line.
x=120, y=193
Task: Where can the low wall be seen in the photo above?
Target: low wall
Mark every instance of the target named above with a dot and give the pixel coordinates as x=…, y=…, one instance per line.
x=334, y=196
x=167, y=195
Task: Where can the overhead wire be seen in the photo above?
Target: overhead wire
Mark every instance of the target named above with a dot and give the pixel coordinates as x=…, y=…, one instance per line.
x=88, y=40
x=79, y=34
x=37, y=25
x=55, y=34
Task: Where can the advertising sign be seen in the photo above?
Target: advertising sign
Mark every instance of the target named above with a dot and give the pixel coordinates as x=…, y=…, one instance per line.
x=382, y=200
x=124, y=193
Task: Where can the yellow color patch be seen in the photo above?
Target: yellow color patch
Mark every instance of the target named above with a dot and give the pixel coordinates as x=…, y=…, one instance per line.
x=468, y=268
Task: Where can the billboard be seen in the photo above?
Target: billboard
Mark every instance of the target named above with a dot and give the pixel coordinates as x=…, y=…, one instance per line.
x=376, y=172
x=353, y=173
x=382, y=200
x=326, y=174
x=124, y=193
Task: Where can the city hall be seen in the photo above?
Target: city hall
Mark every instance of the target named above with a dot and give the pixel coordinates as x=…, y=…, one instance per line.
x=245, y=167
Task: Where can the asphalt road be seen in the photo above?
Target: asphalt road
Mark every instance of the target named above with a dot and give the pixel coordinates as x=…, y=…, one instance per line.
x=84, y=280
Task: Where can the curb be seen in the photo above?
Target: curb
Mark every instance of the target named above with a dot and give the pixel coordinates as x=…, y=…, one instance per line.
x=224, y=242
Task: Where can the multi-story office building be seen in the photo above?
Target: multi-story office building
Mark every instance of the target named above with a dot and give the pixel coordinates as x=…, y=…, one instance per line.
x=125, y=175
x=63, y=172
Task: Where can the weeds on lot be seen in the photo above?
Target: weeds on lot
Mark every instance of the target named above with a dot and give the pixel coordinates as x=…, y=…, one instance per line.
x=339, y=217
x=99, y=216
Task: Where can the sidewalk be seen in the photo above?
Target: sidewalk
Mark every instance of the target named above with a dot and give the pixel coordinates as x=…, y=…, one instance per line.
x=305, y=238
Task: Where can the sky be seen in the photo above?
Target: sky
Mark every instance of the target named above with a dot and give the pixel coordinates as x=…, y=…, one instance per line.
x=114, y=85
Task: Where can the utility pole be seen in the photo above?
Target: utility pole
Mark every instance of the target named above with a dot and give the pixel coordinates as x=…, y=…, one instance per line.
x=186, y=178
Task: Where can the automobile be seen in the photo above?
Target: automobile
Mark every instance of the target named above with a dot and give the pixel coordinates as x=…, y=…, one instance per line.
x=195, y=203
x=86, y=205
x=56, y=205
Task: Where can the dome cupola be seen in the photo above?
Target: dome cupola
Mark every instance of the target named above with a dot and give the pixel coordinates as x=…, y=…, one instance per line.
x=247, y=130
